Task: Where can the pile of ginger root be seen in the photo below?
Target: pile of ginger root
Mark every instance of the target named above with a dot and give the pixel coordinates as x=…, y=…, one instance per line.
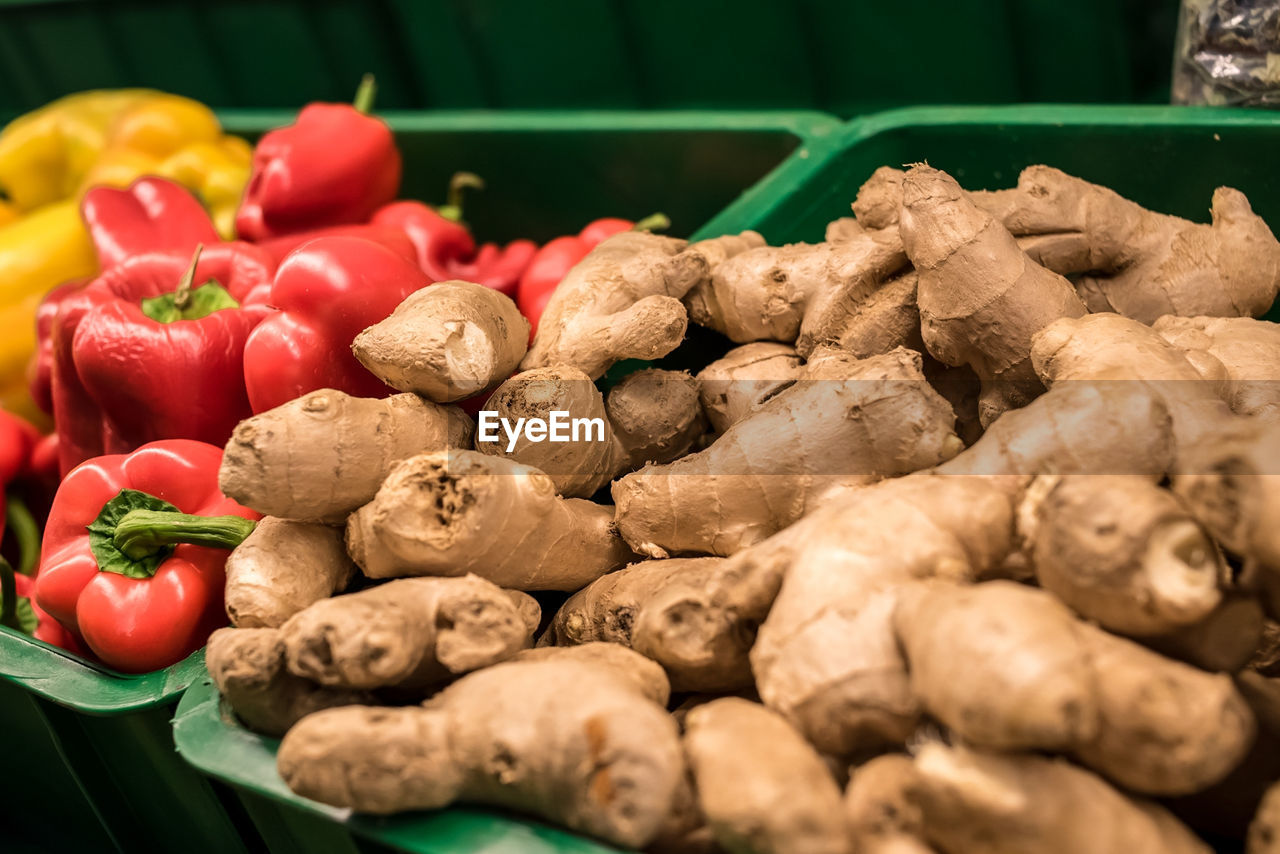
x=966, y=540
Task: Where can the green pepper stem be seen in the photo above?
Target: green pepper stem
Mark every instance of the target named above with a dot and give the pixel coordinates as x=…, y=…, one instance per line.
x=142, y=532
x=365, y=93
x=26, y=532
x=458, y=184
x=653, y=222
x=182, y=296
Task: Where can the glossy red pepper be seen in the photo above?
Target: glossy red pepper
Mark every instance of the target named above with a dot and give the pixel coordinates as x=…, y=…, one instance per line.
x=445, y=248
x=555, y=259
x=333, y=166
x=150, y=215
x=139, y=357
x=32, y=620
x=135, y=552
x=40, y=368
x=327, y=292
x=389, y=236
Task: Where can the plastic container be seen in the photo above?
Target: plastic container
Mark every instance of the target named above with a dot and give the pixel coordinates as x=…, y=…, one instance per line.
x=834, y=55
x=1166, y=157
x=102, y=741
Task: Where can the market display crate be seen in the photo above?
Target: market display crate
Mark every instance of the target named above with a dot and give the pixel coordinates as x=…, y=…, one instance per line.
x=846, y=58
x=104, y=739
x=1170, y=159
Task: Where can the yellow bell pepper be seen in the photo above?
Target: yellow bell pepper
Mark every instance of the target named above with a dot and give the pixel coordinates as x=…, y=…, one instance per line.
x=51, y=156
x=37, y=252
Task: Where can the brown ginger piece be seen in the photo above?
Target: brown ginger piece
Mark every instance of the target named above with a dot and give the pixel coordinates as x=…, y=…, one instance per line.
x=826, y=656
x=763, y=294
x=319, y=457
x=1122, y=552
x=650, y=415
x=1023, y=804
x=879, y=810
x=620, y=302
x=613, y=769
x=1140, y=263
x=454, y=513
x=844, y=228
x=248, y=668
x=744, y=379
x=1239, y=354
x=864, y=324
x=762, y=787
x=1110, y=349
x=981, y=299
x=281, y=568
x=1040, y=678
x=410, y=634
x=447, y=342
x=881, y=419
x=1264, y=830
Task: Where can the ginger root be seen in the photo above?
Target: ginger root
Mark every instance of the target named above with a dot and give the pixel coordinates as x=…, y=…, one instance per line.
x=1140, y=263
x=826, y=656
x=620, y=302
x=248, y=668
x=881, y=420
x=409, y=634
x=317, y=458
x=1122, y=552
x=744, y=379
x=981, y=299
x=762, y=787
x=612, y=769
x=446, y=342
x=879, y=809
x=763, y=294
x=1041, y=679
x=1023, y=804
x=650, y=415
x=1239, y=355
x=281, y=568
x=465, y=512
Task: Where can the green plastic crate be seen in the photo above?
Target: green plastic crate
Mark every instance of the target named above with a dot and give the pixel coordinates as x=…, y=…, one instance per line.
x=842, y=56
x=102, y=741
x=1166, y=157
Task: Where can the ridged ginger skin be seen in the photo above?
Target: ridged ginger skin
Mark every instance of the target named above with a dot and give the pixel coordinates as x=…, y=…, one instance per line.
x=612, y=768
x=879, y=419
x=1042, y=679
x=435, y=515
x=981, y=299
x=281, y=568
x=1239, y=355
x=762, y=787
x=1025, y=804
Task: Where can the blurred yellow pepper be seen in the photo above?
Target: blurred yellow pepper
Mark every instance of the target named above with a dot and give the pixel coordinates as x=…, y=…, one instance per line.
x=51, y=156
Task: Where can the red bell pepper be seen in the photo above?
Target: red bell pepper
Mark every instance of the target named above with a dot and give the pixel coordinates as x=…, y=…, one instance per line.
x=40, y=368
x=392, y=238
x=25, y=615
x=445, y=248
x=142, y=354
x=333, y=166
x=135, y=553
x=327, y=292
x=150, y=215
x=554, y=261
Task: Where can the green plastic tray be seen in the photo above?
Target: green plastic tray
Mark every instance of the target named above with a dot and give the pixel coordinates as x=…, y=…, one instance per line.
x=106, y=737
x=835, y=55
x=210, y=739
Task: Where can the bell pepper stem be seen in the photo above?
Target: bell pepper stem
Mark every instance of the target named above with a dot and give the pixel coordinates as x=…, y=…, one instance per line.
x=182, y=296
x=8, y=597
x=458, y=184
x=143, y=532
x=653, y=222
x=26, y=532
x=365, y=93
